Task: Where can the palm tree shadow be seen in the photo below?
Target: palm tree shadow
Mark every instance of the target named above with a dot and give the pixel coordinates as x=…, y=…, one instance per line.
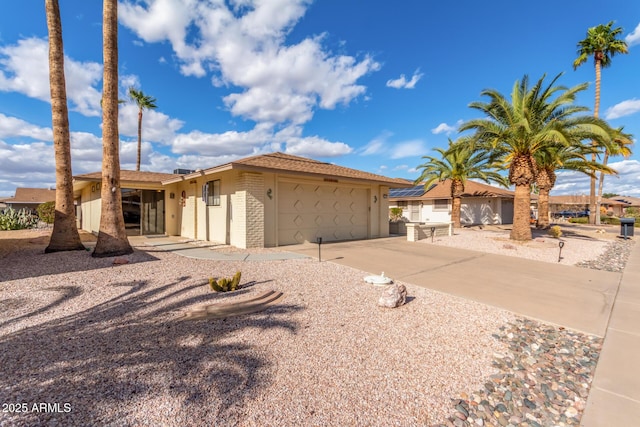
x=127, y=348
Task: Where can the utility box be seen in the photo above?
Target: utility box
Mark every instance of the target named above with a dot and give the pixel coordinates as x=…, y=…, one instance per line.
x=626, y=226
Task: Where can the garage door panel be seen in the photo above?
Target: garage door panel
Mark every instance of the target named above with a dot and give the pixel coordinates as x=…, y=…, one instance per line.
x=309, y=211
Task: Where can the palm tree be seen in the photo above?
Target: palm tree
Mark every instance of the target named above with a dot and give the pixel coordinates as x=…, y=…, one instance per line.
x=601, y=43
x=561, y=157
x=65, y=236
x=620, y=142
x=518, y=129
x=112, y=237
x=144, y=102
x=460, y=162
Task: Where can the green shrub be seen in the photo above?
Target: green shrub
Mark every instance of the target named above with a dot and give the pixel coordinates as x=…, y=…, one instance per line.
x=609, y=220
x=17, y=220
x=395, y=214
x=555, y=231
x=224, y=284
x=47, y=212
x=582, y=220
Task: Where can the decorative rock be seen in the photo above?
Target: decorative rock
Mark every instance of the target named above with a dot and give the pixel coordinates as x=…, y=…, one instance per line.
x=393, y=297
x=120, y=261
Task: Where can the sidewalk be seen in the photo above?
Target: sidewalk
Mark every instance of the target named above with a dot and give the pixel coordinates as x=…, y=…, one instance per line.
x=211, y=251
x=614, y=399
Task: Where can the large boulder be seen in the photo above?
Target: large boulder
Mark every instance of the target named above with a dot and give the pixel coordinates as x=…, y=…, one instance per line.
x=394, y=296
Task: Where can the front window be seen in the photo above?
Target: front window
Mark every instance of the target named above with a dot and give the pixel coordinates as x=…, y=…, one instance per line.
x=213, y=193
x=441, y=205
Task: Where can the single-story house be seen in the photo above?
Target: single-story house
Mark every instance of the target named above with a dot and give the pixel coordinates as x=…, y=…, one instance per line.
x=29, y=198
x=629, y=202
x=480, y=203
x=260, y=201
x=579, y=203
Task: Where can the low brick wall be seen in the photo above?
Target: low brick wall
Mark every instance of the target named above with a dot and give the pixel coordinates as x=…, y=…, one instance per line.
x=419, y=231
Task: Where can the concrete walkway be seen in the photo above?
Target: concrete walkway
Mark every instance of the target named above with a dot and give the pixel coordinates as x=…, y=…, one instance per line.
x=208, y=250
x=614, y=399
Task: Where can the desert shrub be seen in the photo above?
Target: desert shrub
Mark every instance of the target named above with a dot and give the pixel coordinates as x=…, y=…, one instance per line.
x=11, y=219
x=609, y=220
x=581, y=220
x=395, y=214
x=555, y=231
x=225, y=285
x=47, y=211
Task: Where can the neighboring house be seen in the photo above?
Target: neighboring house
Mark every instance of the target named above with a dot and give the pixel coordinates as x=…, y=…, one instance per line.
x=29, y=198
x=580, y=203
x=261, y=201
x=629, y=202
x=481, y=203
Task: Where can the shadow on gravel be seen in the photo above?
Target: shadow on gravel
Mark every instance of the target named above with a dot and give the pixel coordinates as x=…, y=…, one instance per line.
x=111, y=361
x=20, y=264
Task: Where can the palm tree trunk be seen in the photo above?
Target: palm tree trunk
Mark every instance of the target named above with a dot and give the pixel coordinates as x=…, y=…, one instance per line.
x=543, y=207
x=605, y=160
x=65, y=235
x=594, y=206
x=457, y=188
x=139, y=138
x=521, y=213
x=112, y=237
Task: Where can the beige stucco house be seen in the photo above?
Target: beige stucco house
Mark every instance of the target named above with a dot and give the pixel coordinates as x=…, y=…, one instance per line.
x=261, y=201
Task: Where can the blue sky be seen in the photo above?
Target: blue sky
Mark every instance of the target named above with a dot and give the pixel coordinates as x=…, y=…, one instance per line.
x=373, y=85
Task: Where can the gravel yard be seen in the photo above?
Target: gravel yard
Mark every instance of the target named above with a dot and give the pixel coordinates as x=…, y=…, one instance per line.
x=107, y=344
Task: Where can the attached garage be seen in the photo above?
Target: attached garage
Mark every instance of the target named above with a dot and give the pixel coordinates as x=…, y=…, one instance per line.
x=333, y=212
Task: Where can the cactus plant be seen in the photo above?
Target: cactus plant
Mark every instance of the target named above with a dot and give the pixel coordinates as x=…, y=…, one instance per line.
x=225, y=285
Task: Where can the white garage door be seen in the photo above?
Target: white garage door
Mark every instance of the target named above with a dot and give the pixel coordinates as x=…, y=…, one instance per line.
x=309, y=211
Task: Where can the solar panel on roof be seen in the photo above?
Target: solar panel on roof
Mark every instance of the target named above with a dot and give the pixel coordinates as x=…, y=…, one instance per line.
x=407, y=192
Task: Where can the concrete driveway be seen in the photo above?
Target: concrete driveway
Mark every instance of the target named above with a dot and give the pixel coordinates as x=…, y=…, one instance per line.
x=577, y=298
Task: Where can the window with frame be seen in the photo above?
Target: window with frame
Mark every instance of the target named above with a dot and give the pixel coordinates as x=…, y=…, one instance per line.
x=441, y=205
x=213, y=193
x=402, y=203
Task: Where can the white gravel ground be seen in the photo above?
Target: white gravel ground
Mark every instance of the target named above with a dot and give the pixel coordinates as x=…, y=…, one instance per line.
x=108, y=341
x=579, y=245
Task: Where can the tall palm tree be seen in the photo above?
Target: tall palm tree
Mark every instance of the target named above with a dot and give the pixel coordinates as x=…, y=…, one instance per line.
x=144, y=102
x=601, y=43
x=561, y=157
x=112, y=237
x=65, y=236
x=460, y=162
x=517, y=129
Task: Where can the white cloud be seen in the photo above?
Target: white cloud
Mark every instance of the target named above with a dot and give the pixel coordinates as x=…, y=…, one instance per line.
x=242, y=45
x=14, y=127
x=633, y=38
x=622, y=109
x=156, y=126
x=314, y=146
x=445, y=128
x=377, y=145
x=403, y=83
x=408, y=149
x=627, y=182
x=26, y=70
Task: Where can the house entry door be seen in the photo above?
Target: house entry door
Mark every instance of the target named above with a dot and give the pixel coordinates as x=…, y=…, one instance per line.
x=152, y=212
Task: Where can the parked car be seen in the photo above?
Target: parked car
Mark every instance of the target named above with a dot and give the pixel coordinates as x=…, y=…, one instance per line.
x=571, y=214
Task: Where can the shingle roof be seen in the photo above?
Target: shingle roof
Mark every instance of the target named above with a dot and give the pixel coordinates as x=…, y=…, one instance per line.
x=32, y=195
x=442, y=190
x=628, y=201
x=126, y=175
x=281, y=162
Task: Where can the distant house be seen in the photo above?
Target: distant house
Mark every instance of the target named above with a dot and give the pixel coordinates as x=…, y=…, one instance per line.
x=629, y=202
x=580, y=203
x=29, y=198
x=481, y=203
x=260, y=201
